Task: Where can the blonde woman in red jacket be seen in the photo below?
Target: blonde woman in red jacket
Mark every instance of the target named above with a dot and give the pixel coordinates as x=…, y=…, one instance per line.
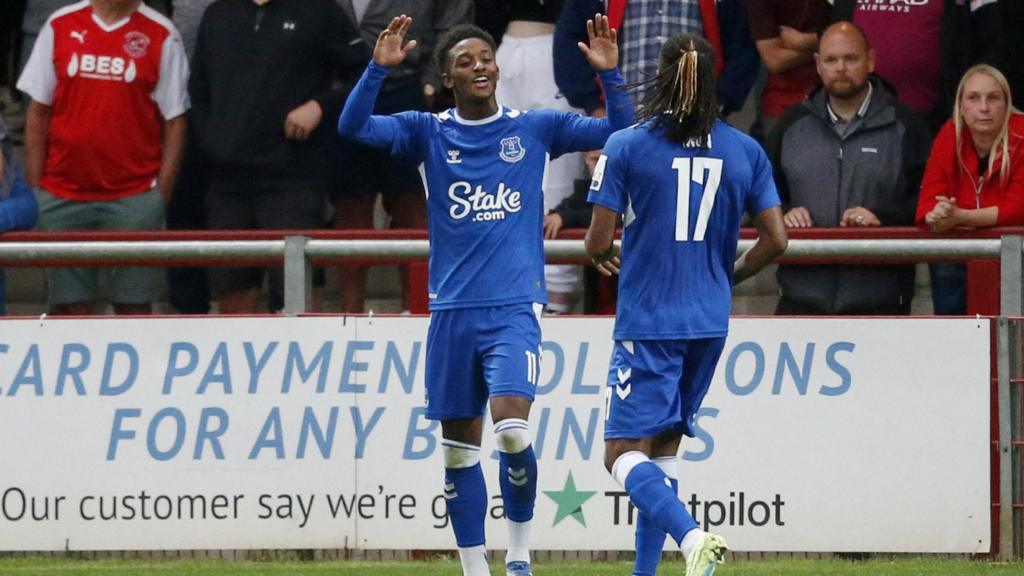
x=975, y=174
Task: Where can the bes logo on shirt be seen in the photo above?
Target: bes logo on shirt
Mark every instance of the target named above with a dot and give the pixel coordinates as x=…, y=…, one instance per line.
x=479, y=205
x=101, y=67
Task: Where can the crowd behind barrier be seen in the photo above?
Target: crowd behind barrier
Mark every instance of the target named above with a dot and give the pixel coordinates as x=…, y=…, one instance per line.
x=947, y=38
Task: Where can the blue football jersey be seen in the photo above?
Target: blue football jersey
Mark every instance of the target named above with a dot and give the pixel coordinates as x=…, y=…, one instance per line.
x=683, y=207
x=485, y=187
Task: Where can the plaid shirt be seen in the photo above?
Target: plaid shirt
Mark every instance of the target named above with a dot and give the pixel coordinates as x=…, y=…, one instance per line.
x=646, y=24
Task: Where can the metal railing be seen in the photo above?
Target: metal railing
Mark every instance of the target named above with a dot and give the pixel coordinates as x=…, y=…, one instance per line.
x=299, y=253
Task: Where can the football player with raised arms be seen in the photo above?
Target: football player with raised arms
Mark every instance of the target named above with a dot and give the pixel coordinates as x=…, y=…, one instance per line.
x=483, y=167
x=684, y=179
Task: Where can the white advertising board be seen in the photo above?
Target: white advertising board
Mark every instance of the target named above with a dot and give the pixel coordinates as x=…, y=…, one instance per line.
x=206, y=433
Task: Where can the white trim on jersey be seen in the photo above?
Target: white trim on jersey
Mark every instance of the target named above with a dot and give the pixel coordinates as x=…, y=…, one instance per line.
x=544, y=180
x=976, y=4
x=39, y=78
x=422, y=169
x=171, y=90
x=157, y=17
x=497, y=115
x=111, y=27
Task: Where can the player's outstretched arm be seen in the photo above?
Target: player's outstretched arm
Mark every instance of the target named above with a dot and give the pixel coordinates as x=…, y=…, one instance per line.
x=602, y=47
x=600, y=241
x=771, y=242
x=391, y=48
x=357, y=120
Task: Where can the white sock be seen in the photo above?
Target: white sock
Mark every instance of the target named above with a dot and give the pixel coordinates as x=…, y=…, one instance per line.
x=474, y=561
x=690, y=541
x=669, y=465
x=625, y=463
x=556, y=308
x=518, y=541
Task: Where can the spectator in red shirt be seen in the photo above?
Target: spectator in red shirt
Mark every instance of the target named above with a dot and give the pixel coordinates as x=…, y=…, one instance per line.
x=104, y=136
x=975, y=174
x=786, y=32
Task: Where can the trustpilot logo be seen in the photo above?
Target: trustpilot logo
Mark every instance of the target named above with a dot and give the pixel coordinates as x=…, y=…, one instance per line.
x=479, y=205
x=102, y=67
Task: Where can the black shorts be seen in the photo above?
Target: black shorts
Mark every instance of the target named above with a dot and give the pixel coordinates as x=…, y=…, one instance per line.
x=267, y=210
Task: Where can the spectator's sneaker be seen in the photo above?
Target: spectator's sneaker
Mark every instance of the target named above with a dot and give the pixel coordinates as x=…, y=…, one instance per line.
x=708, y=554
x=518, y=568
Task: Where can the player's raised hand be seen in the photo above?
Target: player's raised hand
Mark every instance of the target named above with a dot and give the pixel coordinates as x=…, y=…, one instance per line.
x=602, y=48
x=389, y=50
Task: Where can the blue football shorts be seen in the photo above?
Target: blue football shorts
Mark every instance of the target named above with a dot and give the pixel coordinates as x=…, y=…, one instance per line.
x=474, y=354
x=658, y=385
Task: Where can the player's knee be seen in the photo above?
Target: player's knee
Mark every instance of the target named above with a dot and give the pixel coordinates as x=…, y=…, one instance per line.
x=624, y=464
x=460, y=454
x=512, y=435
x=611, y=455
x=614, y=449
x=609, y=460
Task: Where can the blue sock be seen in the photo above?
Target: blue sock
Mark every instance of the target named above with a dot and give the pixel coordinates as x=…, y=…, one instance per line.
x=650, y=541
x=466, y=494
x=652, y=494
x=518, y=480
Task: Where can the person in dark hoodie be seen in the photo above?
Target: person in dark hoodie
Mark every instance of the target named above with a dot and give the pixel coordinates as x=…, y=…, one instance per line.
x=850, y=155
x=262, y=84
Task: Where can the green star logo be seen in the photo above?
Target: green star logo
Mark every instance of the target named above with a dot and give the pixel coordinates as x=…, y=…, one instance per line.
x=570, y=501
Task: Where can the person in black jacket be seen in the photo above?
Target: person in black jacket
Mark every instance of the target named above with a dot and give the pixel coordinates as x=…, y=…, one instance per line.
x=263, y=82
x=1013, y=19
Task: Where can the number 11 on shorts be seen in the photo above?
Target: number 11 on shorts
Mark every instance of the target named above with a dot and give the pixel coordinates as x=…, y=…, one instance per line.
x=532, y=367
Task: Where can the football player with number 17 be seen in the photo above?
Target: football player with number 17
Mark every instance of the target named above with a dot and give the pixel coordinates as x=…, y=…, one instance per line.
x=483, y=167
x=683, y=179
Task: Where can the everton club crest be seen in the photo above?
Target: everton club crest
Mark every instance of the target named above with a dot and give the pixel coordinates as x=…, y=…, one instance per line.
x=512, y=149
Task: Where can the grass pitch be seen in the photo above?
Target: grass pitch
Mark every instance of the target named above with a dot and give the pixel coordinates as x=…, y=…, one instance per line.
x=908, y=567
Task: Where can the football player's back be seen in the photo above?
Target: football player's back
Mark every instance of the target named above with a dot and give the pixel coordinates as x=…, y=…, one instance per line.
x=683, y=180
x=684, y=205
